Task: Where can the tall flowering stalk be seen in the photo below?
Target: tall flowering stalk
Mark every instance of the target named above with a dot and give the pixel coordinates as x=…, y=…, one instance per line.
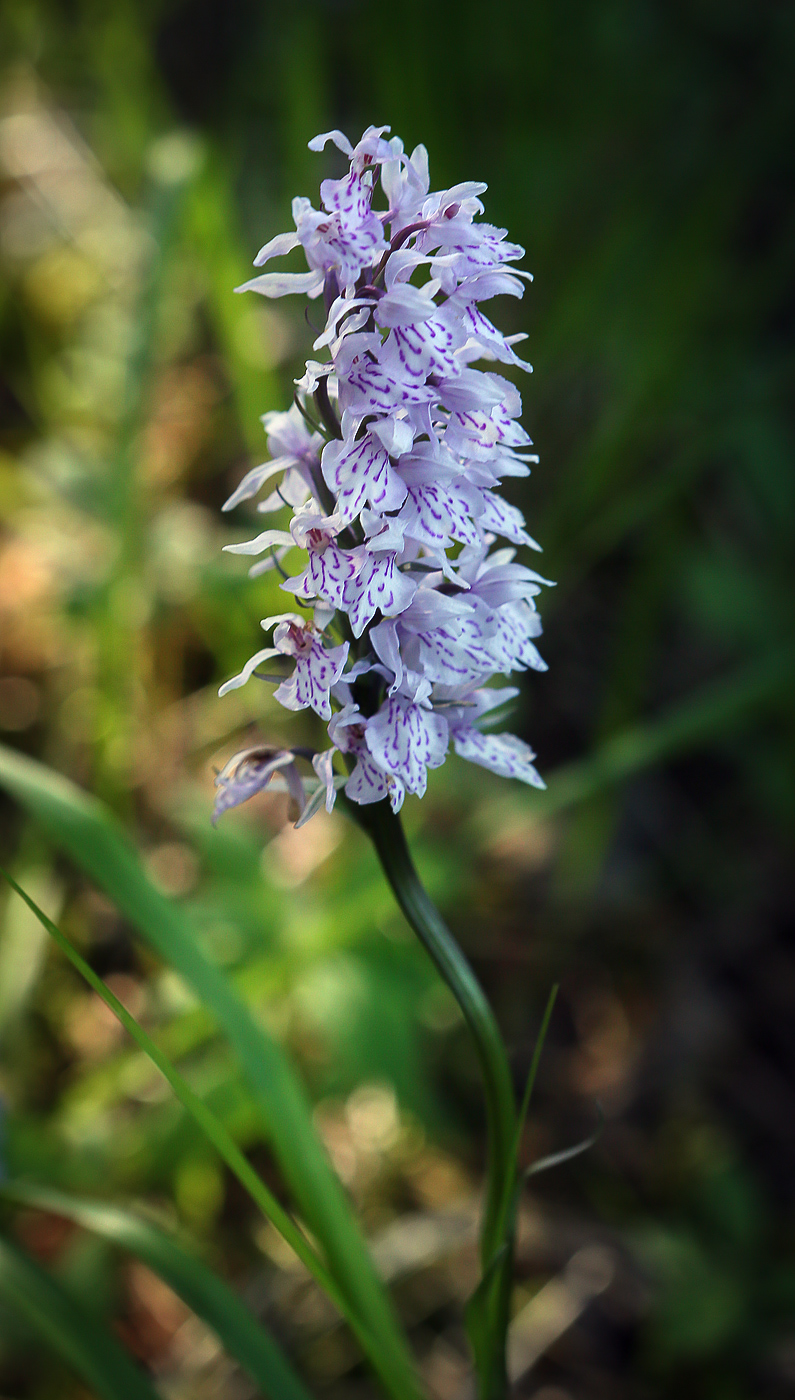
x=400, y=555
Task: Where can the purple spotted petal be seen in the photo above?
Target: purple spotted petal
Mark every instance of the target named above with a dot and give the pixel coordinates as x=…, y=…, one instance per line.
x=504, y=519
x=367, y=783
x=326, y=574
x=317, y=669
x=412, y=352
x=360, y=471
x=435, y=514
x=369, y=385
x=504, y=754
x=405, y=739
x=380, y=587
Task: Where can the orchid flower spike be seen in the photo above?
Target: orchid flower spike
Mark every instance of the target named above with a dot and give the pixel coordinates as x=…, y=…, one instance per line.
x=390, y=464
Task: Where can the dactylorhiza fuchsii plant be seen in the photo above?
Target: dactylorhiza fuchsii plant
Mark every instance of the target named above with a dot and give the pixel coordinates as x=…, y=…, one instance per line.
x=401, y=557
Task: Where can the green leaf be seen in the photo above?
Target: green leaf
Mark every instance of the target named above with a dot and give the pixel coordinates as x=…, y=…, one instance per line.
x=202, y=1290
x=486, y=1315
x=534, y=1063
x=212, y=220
x=40, y=1303
x=226, y=1147
x=485, y=1319
x=83, y=827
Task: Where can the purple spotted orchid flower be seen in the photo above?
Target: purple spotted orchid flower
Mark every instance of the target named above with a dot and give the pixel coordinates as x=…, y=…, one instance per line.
x=391, y=461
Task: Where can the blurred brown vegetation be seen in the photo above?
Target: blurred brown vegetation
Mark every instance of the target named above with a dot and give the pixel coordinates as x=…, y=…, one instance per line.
x=642, y=152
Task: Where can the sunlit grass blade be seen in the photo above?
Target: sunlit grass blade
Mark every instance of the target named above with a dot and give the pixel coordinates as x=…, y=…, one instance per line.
x=46, y=1309
x=203, y=1291
x=229, y=1152
x=85, y=829
x=211, y=1126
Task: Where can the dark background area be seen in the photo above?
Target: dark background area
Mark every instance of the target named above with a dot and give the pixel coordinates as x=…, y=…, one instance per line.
x=643, y=154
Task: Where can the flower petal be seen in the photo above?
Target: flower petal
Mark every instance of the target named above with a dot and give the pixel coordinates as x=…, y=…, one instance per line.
x=504, y=754
x=404, y=739
x=248, y=670
x=284, y=284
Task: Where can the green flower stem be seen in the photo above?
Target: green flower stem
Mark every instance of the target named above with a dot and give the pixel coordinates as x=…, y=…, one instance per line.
x=386, y=833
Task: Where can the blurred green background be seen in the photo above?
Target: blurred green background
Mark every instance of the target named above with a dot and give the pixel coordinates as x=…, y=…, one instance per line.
x=643, y=154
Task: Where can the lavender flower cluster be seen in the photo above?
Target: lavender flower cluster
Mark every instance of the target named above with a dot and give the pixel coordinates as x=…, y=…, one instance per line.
x=390, y=460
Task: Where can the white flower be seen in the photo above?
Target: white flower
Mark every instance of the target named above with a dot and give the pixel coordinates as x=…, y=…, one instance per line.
x=395, y=489
x=317, y=668
x=405, y=739
x=251, y=771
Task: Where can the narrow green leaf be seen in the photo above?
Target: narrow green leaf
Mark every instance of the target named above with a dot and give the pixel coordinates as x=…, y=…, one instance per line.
x=40, y=1303
x=505, y=1222
x=483, y=1316
x=83, y=827
x=488, y=1309
x=203, y=1291
x=224, y=1145
x=534, y=1063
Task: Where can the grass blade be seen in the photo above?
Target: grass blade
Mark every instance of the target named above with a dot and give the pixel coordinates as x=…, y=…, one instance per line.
x=80, y=825
x=227, y=1149
x=43, y=1305
x=534, y=1063
x=203, y=1291
x=487, y=1309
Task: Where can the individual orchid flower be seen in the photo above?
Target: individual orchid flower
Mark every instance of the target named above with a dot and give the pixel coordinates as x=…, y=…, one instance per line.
x=251, y=771
x=317, y=666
